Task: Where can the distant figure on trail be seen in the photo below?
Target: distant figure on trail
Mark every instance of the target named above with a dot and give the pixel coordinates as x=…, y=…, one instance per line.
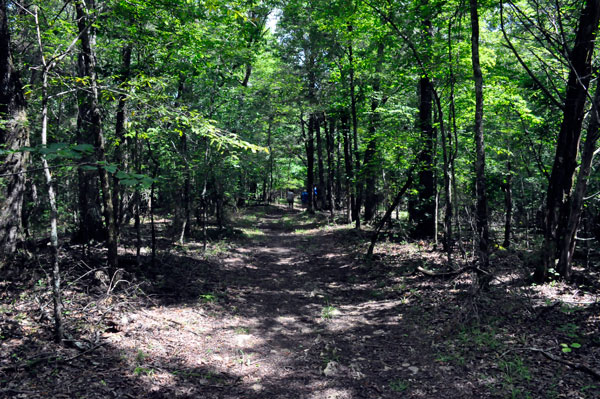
x=290, y=199
x=304, y=197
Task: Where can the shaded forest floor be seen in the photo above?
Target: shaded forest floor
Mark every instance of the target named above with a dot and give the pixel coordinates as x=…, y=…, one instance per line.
x=286, y=307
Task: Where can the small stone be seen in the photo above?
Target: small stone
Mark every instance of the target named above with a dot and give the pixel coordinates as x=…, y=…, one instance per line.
x=405, y=364
x=332, y=369
x=414, y=369
x=256, y=387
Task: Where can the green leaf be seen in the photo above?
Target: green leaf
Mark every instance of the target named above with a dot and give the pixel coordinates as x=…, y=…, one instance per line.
x=84, y=148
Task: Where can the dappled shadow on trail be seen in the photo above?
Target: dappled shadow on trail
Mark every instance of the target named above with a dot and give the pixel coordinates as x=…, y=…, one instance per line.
x=290, y=309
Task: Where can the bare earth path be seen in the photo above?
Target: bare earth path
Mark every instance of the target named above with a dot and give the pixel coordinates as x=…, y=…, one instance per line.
x=290, y=314
x=288, y=308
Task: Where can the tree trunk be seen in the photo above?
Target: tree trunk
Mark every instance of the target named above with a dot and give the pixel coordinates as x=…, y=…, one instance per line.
x=13, y=136
x=422, y=209
x=348, y=165
x=330, y=169
x=358, y=186
x=507, y=187
x=92, y=123
x=567, y=244
x=567, y=146
x=321, y=185
x=370, y=163
x=482, y=232
x=121, y=148
x=310, y=159
x=338, y=169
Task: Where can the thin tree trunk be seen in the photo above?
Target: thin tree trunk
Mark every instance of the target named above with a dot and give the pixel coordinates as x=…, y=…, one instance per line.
x=370, y=163
x=338, y=169
x=507, y=186
x=388, y=213
x=56, y=291
x=330, y=169
x=121, y=120
x=95, y=126
x=348, y=165
x=310, y=159
x=358, y=185
x=482, y=233
x=321, y=185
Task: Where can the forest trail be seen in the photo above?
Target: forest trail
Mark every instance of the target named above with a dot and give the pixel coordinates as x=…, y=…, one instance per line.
x=286, y=307
x=290, y=314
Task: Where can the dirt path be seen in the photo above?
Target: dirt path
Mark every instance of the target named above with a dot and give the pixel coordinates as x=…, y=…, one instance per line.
x=290, y=309
x=290, y=316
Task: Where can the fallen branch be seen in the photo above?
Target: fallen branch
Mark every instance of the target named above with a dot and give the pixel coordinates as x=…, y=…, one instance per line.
x=577, y=366
x=444, y=274
x=389, y=211
x=34, y=361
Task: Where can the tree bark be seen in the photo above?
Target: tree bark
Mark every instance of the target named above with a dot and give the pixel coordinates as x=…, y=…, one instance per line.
x=344, y=120
x=121, y=148
x=567, y=244
x=508, y=204
x=310, y=159
x=92, y=123
x=422, y=209
x=13, y=136
x=357, y=186
x=482, y=232
x=330, y=168
x=320, y=163
x=370, y=163
x=567, y=146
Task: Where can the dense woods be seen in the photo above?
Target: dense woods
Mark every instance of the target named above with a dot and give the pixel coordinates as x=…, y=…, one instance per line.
x=468, y=126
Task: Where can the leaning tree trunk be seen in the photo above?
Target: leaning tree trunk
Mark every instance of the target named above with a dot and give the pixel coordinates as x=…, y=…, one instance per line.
x=567, y=145
x=93, y=123
x=567, y=245
x=481, y=207
x=13, y=136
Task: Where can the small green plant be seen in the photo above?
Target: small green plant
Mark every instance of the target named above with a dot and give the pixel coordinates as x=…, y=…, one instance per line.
x=242, y=330
x=566, y=348
x=140, y=356
x=208, y=298
x=399, y=385
x=143, y=370
x=514, y=371
x=328, y=312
